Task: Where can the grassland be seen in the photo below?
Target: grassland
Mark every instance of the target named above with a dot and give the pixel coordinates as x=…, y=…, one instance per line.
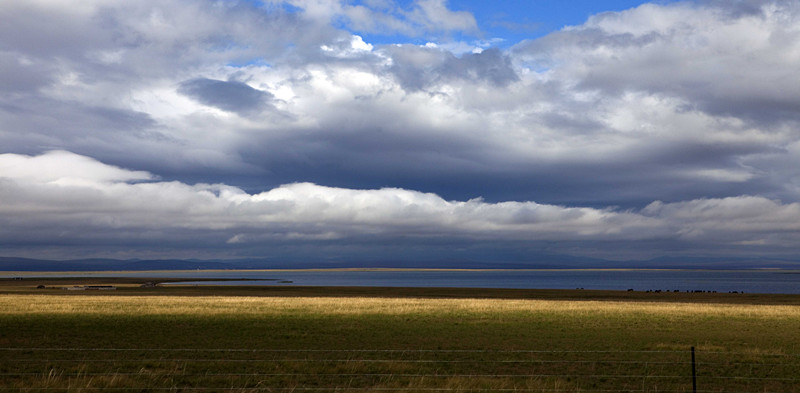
x=199, y=339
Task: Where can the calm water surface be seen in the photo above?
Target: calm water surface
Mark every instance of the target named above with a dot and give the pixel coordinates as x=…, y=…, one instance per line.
x=750, y=281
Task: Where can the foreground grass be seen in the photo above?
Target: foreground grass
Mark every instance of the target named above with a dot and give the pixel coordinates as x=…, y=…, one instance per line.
x=249, y=343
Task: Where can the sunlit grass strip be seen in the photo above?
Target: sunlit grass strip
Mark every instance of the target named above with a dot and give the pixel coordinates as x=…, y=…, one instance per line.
x=177, y=305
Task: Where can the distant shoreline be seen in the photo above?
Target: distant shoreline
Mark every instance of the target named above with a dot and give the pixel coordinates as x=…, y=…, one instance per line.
x=11, y=273
x=656, y=280
x=146, y=286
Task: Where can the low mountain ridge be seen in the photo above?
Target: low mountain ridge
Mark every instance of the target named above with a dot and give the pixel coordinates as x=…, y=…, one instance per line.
x=543, y=261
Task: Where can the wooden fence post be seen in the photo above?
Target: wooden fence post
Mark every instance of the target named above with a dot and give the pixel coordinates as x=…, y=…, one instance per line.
x=694, y=374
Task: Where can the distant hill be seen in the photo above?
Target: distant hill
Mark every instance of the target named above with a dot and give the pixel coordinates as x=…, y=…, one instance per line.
x=543, y=261
x=81, y=265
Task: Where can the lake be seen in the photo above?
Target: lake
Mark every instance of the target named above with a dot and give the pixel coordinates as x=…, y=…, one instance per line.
x=749, y=281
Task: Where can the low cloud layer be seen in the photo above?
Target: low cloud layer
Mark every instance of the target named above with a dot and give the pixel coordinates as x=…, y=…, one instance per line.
x=164, y=126
x=86, y=201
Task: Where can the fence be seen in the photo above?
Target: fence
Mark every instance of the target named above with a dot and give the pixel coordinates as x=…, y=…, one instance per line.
x=423, y=370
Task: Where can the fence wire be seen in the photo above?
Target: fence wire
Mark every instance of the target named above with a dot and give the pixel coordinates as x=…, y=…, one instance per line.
x=392, y=370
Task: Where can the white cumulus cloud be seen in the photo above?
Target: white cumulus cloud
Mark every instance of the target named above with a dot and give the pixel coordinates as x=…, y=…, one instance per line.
x=112, y=201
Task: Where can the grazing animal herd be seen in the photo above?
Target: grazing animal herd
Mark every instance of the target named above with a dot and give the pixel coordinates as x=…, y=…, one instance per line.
x=678, y=290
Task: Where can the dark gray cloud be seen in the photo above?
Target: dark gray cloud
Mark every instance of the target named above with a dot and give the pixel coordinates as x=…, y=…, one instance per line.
x=17, y=77
x=231, y=96
x=741, y=8
x=489, y=65
x=418, y=68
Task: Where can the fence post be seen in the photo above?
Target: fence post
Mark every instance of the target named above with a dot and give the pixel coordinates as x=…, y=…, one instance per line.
x=694, y=374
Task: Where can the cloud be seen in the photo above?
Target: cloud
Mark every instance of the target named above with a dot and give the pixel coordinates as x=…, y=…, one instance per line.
x=420, y=68
x=20, y=77
x=102, y=194
x=733, y=59
x=432, y=13
x=420, y=17
x=567, y=138
x=231, y=96
x=743, y=220
x=62, y=167
x=74, y=198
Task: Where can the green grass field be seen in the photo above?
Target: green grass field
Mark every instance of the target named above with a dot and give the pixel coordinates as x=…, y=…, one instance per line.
x=201, y=339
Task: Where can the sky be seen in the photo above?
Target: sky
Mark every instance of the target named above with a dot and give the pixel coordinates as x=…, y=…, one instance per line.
x=422, y=130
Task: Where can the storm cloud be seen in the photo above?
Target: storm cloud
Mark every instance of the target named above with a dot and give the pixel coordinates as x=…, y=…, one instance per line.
x=229, y=96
